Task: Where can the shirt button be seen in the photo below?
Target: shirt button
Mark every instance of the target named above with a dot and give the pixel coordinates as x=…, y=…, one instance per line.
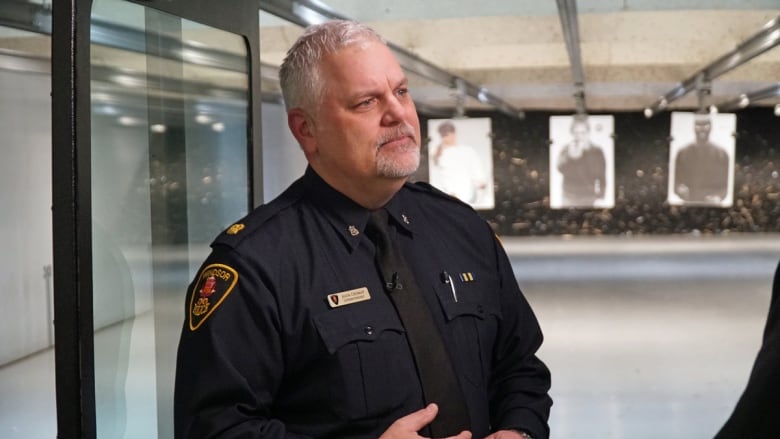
x=369, y=330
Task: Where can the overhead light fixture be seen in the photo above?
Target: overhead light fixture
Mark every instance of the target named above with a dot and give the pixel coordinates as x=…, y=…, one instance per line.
x=203, y=119
x=108, y=110
x=482, y=96
x=193, y=56
x=745, y=99
x=129, y=121
x=129, y=81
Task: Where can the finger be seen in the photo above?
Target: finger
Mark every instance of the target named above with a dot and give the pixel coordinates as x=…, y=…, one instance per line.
x=417, y=420
x=465, y=434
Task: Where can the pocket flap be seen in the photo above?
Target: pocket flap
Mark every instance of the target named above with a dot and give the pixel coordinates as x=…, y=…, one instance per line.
x=472, y=301
x=341, y=326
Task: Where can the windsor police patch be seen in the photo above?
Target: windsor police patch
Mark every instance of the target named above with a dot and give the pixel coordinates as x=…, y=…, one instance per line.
x=214, y=284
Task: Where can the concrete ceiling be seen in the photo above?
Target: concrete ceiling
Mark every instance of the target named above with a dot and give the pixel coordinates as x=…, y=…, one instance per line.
x=632, y=52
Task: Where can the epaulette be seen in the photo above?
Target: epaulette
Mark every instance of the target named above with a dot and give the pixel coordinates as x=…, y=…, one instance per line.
x=241, y=229
x=425, y=187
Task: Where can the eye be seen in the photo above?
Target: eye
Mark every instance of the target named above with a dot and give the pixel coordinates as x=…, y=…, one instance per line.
x=403, y=91
x=365, y=103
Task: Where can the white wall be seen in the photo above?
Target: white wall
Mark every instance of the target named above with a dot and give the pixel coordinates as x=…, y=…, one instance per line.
x=122, y=287
x=25, y=221
x=283, y=160
x=121, y=229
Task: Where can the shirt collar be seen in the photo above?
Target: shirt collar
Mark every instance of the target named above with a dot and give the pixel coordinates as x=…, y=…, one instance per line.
x=400, y=209
x=348, y=218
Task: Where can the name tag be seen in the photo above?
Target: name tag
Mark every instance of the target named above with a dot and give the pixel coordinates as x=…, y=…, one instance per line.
x=348, y=297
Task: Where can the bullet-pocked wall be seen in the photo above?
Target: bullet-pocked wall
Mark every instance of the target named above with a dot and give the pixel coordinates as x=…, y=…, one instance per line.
x=521, y=168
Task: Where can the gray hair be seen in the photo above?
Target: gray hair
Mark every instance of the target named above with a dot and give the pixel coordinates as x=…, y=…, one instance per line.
x=299, y=75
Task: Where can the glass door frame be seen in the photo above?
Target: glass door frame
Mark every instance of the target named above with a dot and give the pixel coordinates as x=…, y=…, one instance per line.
x=71, y=184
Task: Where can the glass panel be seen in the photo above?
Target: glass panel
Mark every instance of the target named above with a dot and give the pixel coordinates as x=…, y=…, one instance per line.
x=169, y=171
x=27, y=401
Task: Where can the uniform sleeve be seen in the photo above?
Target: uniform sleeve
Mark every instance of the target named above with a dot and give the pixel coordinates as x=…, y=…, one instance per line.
x=520, y=381
x=229, y=361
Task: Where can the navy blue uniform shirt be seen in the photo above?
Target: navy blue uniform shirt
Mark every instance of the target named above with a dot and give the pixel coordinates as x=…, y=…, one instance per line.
x=289, y=334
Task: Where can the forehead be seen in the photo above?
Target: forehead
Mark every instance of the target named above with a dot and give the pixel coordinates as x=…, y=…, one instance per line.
x=362, y=65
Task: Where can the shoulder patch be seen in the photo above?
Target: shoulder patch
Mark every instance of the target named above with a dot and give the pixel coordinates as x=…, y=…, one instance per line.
x=214, y=284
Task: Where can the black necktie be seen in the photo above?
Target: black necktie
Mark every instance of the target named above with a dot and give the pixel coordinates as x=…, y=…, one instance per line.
x=439, y=383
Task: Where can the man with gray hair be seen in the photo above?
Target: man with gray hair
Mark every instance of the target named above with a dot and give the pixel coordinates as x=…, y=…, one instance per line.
x=356, y=304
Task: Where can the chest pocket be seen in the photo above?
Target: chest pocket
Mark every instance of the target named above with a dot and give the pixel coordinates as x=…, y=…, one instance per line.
x=369, y=369
x=471, y=307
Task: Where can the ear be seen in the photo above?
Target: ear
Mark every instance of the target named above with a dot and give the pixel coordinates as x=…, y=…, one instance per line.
x=302, y=128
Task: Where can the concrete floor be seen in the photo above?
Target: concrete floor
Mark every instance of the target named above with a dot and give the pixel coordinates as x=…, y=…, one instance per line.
x=649, y=337
x=645, y=338
x=639, y=359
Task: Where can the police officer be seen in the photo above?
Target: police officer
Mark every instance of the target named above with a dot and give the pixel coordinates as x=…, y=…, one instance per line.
x=290, y=331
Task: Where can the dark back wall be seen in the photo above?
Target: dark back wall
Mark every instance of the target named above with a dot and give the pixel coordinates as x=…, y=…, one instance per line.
x=521, y=172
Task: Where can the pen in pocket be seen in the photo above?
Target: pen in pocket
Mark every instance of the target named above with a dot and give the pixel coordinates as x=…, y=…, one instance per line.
x=447, y=279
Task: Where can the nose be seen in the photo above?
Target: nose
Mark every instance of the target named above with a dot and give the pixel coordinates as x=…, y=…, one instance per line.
x=395, y=111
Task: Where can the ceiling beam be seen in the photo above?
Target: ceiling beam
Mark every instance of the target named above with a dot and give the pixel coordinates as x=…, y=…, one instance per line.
x=567, y=11
x=308, y=12
x=746, y=99
x=765, y=39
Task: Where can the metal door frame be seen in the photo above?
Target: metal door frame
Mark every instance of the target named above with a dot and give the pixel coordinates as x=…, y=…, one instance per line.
x=71, y=184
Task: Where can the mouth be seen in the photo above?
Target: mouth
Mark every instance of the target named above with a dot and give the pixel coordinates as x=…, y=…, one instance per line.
x=397, y=141
x=400, y=137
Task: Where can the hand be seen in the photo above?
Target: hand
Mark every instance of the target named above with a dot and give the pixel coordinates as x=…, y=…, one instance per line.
x=409, y=425
x=505, y=434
